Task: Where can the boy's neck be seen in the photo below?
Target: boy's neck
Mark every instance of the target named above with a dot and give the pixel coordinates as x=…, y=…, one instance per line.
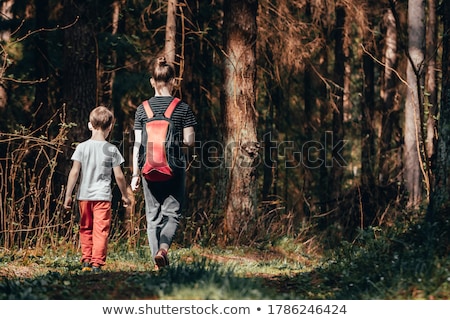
x=98, y=135
x=164, y=91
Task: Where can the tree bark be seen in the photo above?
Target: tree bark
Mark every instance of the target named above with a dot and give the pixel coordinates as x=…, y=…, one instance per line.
x=40, y=104
x=171, y=30
x=337, y=169
x=412, y=133
x=80, y=71
x=106, y=68
x=430, y=103
x=440, y=197
x=367, y=120
x=240, y=118
x=390, y=132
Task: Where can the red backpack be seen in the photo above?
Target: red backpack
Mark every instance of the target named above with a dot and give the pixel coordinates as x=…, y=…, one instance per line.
x=159, y=136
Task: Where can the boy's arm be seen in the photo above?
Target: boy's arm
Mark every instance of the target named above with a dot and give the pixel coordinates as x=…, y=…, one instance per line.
x=137, y=145
x=71, y=182
x=122, y=184
x=188, y=136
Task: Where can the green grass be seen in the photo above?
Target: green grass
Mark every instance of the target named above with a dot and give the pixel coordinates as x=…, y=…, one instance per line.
x=396, y=263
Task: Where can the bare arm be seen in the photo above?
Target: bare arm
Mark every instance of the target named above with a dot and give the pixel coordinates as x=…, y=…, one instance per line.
x=137, y=144
x=71, y=182
x=121, y=182
x=188, y=136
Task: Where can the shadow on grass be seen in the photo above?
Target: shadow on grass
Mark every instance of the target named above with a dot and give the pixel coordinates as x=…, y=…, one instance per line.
x=198, y=280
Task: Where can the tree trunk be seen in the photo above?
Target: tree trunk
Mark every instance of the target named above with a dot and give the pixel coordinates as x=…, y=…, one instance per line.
x=337, y=169
x=440, y=197
x=430, y=103
x=171, y=30
x=40, y=105
x=107, y=76
x=273, y=99
x=240, y=118
x=412, y=133
x=367, y=120
x=80, y=72
x=390, y=132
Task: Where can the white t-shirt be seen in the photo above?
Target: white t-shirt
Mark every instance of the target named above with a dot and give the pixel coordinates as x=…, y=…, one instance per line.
x=97, y=158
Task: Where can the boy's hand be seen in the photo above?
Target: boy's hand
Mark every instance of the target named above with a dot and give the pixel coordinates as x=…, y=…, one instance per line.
x=126, y=201
x=68, y=203
x=135, y=182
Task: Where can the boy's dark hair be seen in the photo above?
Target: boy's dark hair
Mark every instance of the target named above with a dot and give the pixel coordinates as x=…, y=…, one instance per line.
x=162, y=71
x=101, y=117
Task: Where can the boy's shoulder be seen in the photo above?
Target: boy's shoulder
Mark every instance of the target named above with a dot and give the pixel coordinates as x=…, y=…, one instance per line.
x=96, y=145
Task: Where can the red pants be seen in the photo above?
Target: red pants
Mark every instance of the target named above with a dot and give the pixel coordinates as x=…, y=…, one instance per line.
x=95, y=222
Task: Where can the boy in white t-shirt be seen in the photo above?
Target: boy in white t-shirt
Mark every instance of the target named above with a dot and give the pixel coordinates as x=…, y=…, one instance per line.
x=95, y=159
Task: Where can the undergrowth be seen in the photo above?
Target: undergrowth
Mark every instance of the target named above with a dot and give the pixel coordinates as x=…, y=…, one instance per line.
x=399, y=262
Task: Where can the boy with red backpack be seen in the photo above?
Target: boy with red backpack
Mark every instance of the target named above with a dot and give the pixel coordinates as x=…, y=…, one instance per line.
x=163, y=124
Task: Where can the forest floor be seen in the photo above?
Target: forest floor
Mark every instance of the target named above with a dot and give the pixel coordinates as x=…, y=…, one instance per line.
x=373, y=267
x=26, y=275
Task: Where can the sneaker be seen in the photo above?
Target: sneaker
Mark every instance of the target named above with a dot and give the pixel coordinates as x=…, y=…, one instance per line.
x=86, y=267
x=161, y=259
x=96, y=269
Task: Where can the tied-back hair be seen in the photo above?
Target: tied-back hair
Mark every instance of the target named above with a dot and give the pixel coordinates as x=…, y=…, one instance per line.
x=101, y=117
x=162, y=71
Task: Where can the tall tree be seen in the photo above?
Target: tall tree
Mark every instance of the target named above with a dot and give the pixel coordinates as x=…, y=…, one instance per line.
x=431, y=88
x=41, y=103
x=440, y=197
x=368, y=113
x=171, y=30
x=240, y=119
x=107, y=68
x=413, y=130
x=80, y=60
x=390, y=132
x=337, y=169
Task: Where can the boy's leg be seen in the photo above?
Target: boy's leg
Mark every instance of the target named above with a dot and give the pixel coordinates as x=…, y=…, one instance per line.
x=171, y=218
x=153, y=217
x=86, y=223
x=171, y=210
x=101, y=227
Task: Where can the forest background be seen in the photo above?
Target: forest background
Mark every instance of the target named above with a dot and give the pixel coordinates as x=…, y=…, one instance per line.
x=318, y=120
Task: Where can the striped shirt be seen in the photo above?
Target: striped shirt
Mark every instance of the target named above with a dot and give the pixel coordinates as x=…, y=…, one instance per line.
x=182, y=117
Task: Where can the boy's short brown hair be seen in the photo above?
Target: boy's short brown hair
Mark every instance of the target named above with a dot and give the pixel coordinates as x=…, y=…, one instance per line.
x=101, y=118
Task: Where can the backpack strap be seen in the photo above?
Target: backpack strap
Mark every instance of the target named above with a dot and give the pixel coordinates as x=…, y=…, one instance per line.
x=147, y=109
x=171, y=107
x=169, y=110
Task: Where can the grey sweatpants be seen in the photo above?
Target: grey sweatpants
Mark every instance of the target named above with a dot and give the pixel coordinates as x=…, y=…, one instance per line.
x=163, y=203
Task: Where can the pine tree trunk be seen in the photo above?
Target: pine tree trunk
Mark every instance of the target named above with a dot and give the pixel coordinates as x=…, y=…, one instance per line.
x=367, y=122
x=171, y=30
x=412, y=133
x=40, y=104
x=80, y=72
x=337, y=169
x=390, y=132
x=106, y=69
x=240, y=118
x=440, y=198
x=430, y=103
